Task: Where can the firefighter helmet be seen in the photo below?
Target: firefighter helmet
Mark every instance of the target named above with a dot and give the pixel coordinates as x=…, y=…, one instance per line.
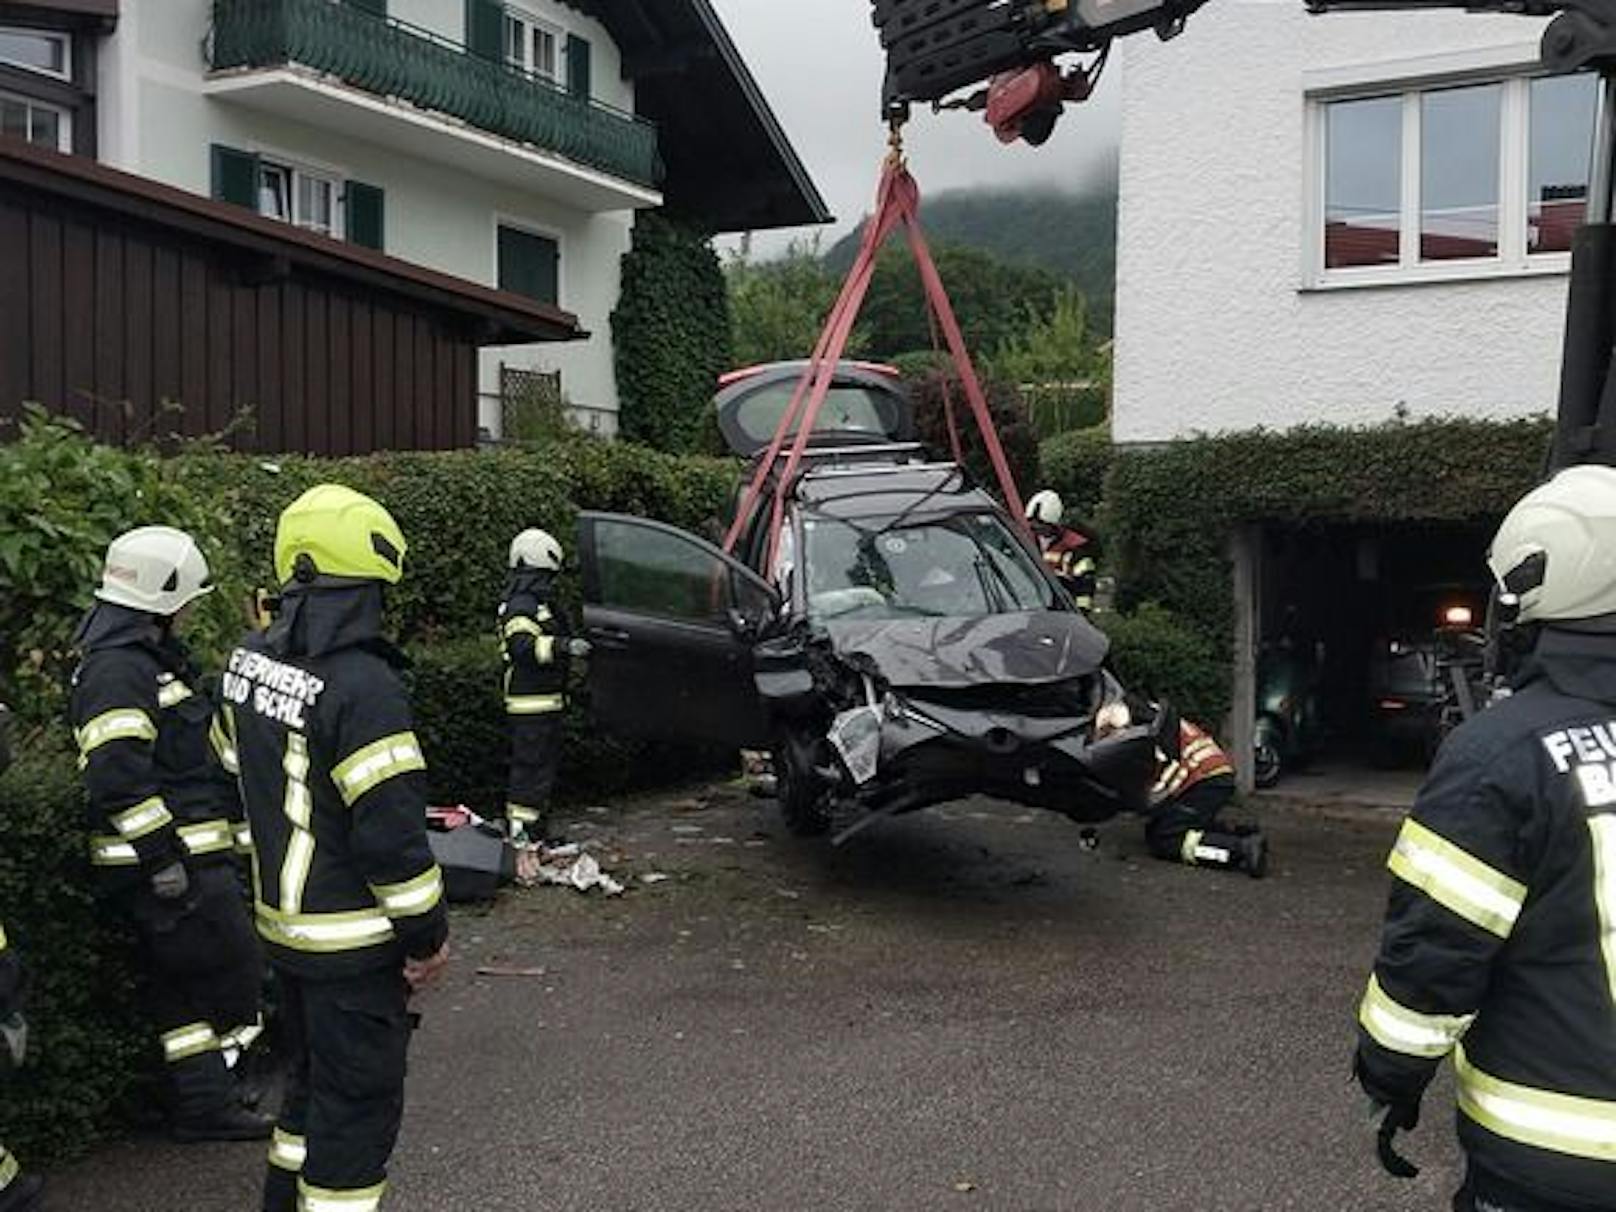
x=1046, y=508
x=1555, y=554
x=536, y=549
x=155, y=569
x=332, y=531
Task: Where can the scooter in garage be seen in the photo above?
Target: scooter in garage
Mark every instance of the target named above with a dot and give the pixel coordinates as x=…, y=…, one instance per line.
x=1288, y=724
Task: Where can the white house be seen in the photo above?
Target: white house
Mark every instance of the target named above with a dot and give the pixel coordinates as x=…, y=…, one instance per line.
x=508, y=144
x=1339, y=219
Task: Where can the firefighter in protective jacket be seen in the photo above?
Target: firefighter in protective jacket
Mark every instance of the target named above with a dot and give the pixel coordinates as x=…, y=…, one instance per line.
x=536, y=649
x=349, y=899
x=1500, y=939
x=166, y=824
x=1192, y=789
x=1067, y=550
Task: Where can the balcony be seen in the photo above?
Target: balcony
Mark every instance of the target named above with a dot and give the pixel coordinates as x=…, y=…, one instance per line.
x=391, y=83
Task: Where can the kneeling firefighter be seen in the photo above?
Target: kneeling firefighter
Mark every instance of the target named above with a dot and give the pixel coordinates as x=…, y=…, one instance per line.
x=1499, y=946
x=1192, y=789
x=536, y=647
x=166, y=824
x=349, y=899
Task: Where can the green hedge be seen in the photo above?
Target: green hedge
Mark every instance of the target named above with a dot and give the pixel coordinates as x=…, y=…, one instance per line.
x=1167, y=514
x=1157, y=654
x=88, y=1040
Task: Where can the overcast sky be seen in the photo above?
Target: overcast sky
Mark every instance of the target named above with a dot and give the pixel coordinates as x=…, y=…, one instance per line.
x=819, y=62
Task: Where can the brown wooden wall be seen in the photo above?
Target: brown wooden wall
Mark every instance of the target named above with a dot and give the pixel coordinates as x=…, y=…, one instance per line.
x=141, y=331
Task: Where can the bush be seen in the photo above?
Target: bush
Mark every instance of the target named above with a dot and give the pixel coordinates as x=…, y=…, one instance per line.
x=88, y=1040
x=671, y=333
x=460, y=719
x=932, y=392
x=1075, y=465
x=1159, y=655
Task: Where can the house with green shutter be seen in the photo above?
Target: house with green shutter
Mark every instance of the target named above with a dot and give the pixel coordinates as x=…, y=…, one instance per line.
x=509, y=144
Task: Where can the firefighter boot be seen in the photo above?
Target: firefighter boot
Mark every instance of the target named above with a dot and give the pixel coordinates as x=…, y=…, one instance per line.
x=1225, y=851
x=22, y=1193
x=1254, y=854
x=207, y=1103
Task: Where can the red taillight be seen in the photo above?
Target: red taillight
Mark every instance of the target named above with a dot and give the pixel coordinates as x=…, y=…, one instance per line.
x=1458, y=616
x=1392, y=705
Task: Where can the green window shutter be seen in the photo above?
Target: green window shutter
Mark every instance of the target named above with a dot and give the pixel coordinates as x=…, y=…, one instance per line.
x=579, y=67
x=235, y=176
x=485, y=29
x=529, y=265
x=379, y=7
x=367, y=215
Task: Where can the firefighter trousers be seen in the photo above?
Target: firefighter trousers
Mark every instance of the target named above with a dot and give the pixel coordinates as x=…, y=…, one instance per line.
x=1185, y=828
x=204, y=980
x=1483, y=1193
x=347, y=1042
x=535, y=757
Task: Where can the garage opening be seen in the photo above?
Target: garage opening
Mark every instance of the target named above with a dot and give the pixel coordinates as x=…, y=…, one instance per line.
x=1348, y=621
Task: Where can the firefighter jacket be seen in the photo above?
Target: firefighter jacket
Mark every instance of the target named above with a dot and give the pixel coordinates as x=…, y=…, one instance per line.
x=1500, y=940
x=157, y=766
x=1070, y=556
x=335, y=789
x=533, y=639
x=1199, y=759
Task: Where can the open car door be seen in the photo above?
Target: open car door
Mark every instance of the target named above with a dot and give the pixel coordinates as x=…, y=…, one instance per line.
x=672, y=620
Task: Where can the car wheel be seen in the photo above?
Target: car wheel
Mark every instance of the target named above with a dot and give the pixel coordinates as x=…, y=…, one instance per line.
x=1270, y=765
x=805, y=803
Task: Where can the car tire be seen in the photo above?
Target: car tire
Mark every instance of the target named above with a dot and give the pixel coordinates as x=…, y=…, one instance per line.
x=805, y=804
x=1270, y=764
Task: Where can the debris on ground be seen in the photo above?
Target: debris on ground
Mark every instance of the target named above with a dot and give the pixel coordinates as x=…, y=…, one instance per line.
x=498, y=970
x=655, y=877
x=569, y=866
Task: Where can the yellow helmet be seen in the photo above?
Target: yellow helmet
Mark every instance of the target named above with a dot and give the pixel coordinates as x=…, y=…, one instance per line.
x=332, y=531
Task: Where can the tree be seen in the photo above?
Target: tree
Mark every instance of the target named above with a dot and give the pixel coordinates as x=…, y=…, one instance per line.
x=991, y=299
x=777, y=308
x=1053, y=345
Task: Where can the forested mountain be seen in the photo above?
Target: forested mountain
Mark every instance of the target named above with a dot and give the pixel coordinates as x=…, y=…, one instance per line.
x=1073, y=235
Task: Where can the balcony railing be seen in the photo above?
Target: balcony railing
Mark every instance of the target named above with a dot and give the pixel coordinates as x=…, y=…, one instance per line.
x=391, y=58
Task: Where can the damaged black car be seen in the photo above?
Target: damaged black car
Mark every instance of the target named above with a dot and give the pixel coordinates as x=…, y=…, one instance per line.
x=900, y=645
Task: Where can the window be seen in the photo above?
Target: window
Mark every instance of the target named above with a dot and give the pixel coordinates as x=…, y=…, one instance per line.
x=37, y=123
x=1451, y=181
x=37, y=50
x=652, y=571
x=529, y=265
x=530, y=44
x=298, y=196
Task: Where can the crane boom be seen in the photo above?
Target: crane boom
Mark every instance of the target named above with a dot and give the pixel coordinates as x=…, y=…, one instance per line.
x=1008, y=50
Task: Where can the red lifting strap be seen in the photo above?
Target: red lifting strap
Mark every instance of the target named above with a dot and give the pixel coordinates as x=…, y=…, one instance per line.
x=898, y=203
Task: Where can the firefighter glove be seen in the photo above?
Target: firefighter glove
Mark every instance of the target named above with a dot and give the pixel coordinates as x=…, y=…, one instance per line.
x=579, y=648
x=170, y=883
x=1388, y=1121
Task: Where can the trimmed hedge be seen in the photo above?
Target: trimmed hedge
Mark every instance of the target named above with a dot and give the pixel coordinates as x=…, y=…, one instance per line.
x=1075, y=465
x=1168, y=514
x=88, y=1040
x=1157, y=654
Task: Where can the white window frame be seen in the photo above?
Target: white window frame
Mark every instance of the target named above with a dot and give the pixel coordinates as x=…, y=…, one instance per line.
x=1514, y=206
x=297, y=172
x=533, y=24
x=49, y=35
x=64, y=118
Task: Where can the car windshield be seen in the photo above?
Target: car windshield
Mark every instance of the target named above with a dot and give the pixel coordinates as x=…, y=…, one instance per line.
x=966, y=566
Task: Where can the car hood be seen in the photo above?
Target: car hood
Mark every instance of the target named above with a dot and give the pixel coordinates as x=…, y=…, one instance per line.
x=1006, y=649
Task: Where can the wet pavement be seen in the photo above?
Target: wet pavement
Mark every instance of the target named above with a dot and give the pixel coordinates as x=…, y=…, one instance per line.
x=959, y=1010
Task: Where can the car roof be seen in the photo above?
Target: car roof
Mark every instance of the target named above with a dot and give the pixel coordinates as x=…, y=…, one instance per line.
x=887, y=490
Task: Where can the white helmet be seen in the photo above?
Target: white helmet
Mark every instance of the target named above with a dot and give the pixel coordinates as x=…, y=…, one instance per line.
x=1555, y=554
x=536, y=549
x=1046, y=508
x=155, y=569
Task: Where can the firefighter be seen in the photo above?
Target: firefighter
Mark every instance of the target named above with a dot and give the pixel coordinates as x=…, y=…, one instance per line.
x=1069, y=551
x=533, y=638
x=1499, y=945
x=1192, y=789
x=349, y=900
x=166, y=824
